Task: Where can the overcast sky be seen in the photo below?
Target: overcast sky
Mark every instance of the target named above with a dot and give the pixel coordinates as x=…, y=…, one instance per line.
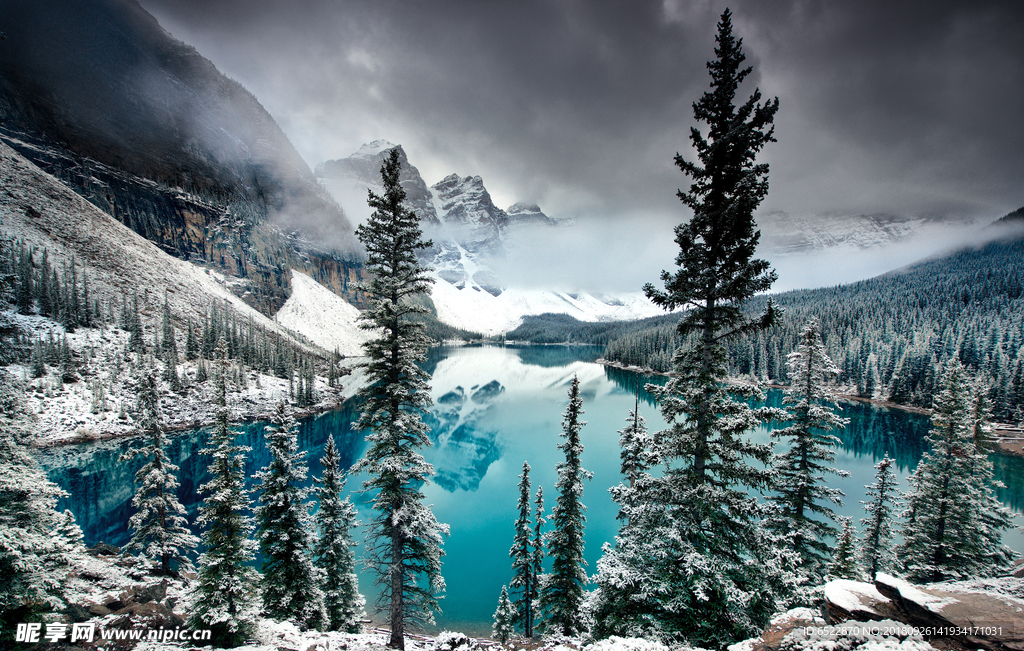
x=909, y=108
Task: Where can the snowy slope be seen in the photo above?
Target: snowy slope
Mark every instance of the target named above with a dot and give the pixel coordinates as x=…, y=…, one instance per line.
x=322, y=316
x=40, y=210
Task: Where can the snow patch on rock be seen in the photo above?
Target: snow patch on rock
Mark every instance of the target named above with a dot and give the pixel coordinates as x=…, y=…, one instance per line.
x=853, y=595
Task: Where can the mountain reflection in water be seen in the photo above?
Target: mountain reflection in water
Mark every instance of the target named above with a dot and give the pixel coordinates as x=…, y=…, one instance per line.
x=494, y=407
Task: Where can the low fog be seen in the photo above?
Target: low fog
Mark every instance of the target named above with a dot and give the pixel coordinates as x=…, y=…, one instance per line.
x=620, y=257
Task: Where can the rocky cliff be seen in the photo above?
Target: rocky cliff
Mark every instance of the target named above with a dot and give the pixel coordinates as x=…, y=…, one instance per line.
x=142, y=126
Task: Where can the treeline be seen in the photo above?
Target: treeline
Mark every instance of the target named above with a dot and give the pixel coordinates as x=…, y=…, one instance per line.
x=33, y=285
x=888, y=334
x=553, y=328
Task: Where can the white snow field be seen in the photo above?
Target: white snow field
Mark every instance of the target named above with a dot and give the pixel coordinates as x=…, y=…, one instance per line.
x=322, y=316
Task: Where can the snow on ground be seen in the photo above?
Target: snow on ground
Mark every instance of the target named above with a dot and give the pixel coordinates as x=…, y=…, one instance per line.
x=853, y=595
x=101, y=404
x=884, y=635
x=322, y=316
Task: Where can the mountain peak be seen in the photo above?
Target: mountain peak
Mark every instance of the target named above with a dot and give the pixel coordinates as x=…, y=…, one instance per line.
x=374, y=148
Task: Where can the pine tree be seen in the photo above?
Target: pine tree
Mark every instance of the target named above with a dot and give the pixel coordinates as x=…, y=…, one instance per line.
x=332, y=550
x=290, y=582
x=710, y=588
x=225, y=597
x=844, y=561
x=537, y=556
x=522, y=558
x=33, y=560
x=561, y=597
x=504, y=627
x=953, y=523
x=875, y=550
x=159, y=527
x=802, y=495
x=404, y=539
x=615, y=603
x=636, y=459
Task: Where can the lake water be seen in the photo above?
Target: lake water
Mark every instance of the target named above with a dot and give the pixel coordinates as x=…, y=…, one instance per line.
x=494, y=407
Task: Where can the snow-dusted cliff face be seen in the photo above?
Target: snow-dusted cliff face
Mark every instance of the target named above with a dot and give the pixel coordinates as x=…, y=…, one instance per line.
x=351, y=177
x=785, y=234
x=469, y=213
x=470, y=233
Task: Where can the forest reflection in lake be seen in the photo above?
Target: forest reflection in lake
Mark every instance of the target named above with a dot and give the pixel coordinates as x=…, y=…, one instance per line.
x=494, y=407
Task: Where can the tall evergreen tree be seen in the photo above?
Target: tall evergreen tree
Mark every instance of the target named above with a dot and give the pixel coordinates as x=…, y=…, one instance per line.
x=636, y=459
x=404, y=539
x=875, y=549
x=537, y=556
x=290, y=582
x=802, y=494
x=523, y=577
x=954, y=523
x=225, y=600
x=706, y=584
x=332, y=550
x=159, y=527
x=619, y=591
x=561, y=596
x=33, y=560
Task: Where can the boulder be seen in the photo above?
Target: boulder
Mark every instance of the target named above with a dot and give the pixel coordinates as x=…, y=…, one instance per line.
x=847, y=600
x=947, y=617
x=979, y=619
x=77, y=613
x=151, y=615
x=144, y=594
x=103, y=549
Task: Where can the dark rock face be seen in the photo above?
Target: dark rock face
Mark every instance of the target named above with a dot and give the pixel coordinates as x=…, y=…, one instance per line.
x=145, y=128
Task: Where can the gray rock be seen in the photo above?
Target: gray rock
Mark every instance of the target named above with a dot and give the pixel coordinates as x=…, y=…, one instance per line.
x=103, y=549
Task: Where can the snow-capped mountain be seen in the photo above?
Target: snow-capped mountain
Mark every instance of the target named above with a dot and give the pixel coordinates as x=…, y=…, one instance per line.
x=348, y=179
x=469, y=213
x=469, y=233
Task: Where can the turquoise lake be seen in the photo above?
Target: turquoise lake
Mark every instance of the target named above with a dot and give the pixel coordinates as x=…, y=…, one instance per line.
x=494, y=407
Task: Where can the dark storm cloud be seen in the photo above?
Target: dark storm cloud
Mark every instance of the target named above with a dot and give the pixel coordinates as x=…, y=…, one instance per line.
x=580, y=105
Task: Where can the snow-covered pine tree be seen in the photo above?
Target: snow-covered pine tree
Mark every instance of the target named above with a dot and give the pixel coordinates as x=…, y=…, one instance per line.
x=953, y=522
x=875, y=548
x=805, y=518
x=225, y=596
x=997, y=517
x=614, y=603
x=561, y=596
x=636, y=459
x=522, y=558
x=332, y=550
x=33, y=560
x=537, y=555
x=504, y=618
x=403, y=543
x=706, y=584
x=844, y=560
x=290, y=582
x=159, y=527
